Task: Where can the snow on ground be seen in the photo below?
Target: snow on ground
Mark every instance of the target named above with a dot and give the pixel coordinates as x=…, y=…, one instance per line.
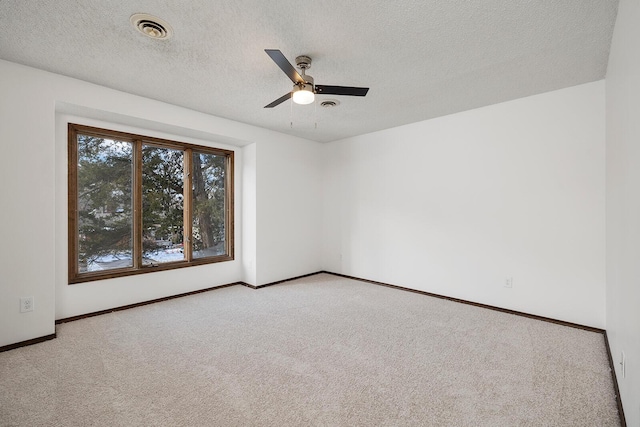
x=111, y=261
x=123, y=259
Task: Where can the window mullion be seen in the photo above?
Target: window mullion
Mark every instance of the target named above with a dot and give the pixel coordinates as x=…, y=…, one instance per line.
x=137, y=204
x=188, y=203
x=229, y=212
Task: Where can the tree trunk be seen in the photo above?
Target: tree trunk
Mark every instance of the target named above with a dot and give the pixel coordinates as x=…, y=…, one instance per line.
x=199, y=202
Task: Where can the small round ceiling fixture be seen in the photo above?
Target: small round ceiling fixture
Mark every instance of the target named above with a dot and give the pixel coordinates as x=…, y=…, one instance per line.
x=151, y=26
x=329, y=103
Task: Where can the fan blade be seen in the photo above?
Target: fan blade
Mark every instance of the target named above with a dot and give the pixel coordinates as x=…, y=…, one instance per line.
x=284, y=65
x=341, y=90
x=279, y=101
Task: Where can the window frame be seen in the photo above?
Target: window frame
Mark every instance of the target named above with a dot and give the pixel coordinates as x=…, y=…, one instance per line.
x=75, y=276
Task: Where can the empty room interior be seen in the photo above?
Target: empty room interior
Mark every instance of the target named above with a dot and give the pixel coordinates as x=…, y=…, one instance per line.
x=321, y=213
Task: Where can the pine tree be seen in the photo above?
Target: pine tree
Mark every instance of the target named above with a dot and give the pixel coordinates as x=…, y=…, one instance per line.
x=104, y=199
x=105, y=206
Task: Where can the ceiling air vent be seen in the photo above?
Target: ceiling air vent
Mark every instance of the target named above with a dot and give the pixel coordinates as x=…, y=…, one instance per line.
x=151, y=26
x=329, y=103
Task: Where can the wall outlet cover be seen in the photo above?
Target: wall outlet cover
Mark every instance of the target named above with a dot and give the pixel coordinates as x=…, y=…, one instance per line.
x=26, y=304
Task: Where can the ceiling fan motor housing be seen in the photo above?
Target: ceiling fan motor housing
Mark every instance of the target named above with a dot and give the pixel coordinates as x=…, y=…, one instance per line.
x=303, y=62
x=308, y=79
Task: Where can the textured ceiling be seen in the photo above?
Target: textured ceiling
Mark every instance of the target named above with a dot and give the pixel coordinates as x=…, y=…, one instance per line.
x=421, y=59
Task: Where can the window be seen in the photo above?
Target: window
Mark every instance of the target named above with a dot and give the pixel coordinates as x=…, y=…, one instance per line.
x=139, y=204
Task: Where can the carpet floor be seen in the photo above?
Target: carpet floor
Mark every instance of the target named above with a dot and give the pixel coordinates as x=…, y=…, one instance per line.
x=317, y=351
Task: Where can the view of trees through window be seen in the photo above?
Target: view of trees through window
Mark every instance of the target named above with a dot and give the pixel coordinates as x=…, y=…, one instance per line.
x=173, y=227
x=162, y=205
x=104, y=203
x=208, y=205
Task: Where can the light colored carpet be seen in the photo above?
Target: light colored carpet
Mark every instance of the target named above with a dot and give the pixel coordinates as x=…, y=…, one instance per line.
x=322, y=351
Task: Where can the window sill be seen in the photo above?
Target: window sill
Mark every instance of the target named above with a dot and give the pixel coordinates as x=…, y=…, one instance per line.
x=131, y=271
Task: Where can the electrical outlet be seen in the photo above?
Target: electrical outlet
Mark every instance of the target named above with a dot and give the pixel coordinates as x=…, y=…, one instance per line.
x=623, y=365
x=508, y=283
x=26, y=304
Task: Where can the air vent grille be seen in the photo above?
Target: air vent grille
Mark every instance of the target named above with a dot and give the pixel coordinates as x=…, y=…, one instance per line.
x=329, y=103
x=151, y=26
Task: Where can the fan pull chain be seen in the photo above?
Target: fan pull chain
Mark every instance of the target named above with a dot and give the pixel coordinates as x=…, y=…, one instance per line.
x=291, y=111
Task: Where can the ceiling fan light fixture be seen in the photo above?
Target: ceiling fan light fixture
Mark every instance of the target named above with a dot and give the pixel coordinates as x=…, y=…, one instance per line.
x=303, y=94
x=304, y=88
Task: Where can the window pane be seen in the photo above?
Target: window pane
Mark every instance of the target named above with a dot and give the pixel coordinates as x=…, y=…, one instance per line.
x=127, y=206
x=104, y=204
x=208, y=205
x=162, y=205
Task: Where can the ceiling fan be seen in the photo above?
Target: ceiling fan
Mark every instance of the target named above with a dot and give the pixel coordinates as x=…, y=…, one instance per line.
x=304, y=89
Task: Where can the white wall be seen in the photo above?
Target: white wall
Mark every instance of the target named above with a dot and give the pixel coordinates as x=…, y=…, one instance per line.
x=249, y=215
x=456, y=205
x=282, y=211
x=27, y=173
x=33, y=107
x=623, y=203
x=289, y=208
